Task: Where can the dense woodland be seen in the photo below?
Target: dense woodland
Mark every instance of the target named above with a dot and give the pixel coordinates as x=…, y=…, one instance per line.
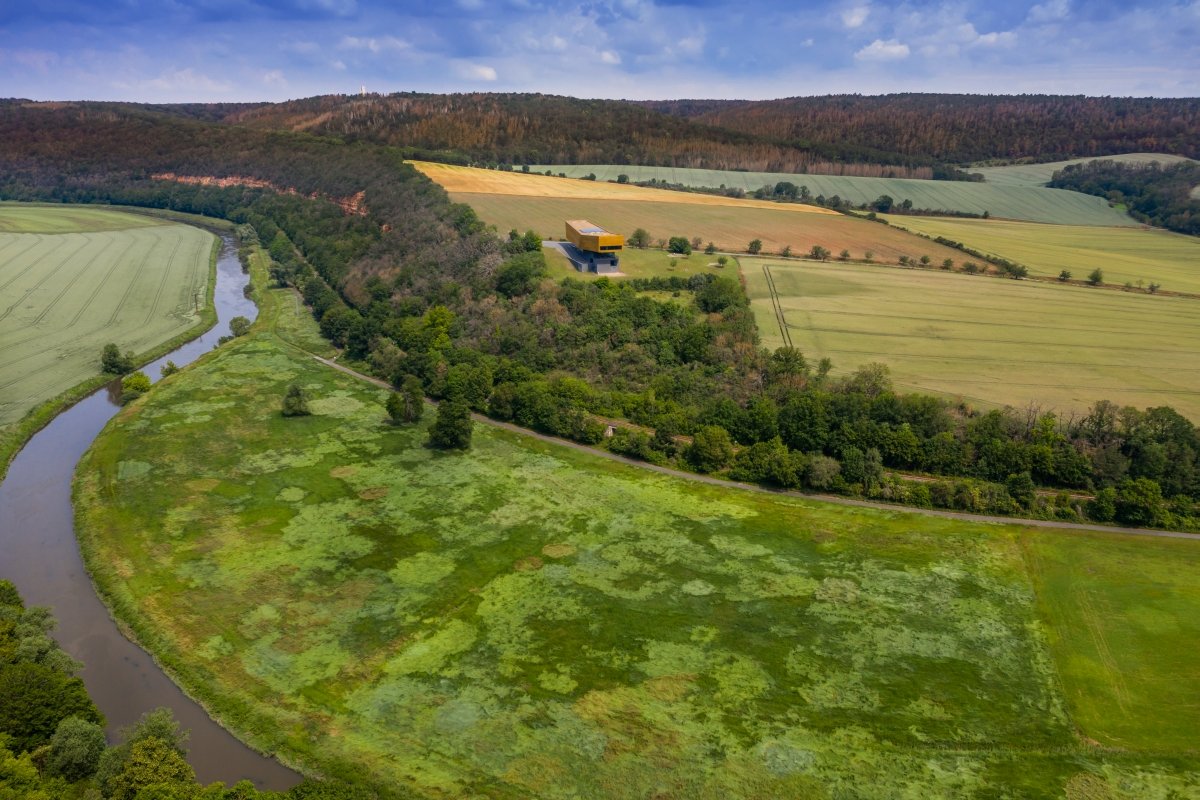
x=52, y=742
x=963, y=129
x=419, y=287
x=1154, y=194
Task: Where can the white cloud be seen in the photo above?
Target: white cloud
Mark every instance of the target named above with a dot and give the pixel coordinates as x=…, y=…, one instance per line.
x=373, y=44
x=879, y=50
x=274, y=78
x=996, y=39
x=38, y=60
x=180, y=84
x=609, y=57
x=856, y=16
x=470, y=5
x=1050, y=11
x=477, y=72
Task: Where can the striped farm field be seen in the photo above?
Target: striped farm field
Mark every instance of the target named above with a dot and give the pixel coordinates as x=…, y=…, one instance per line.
x=1006, y=201
x=986, y=340
x=1126, y=255
x=73, y=279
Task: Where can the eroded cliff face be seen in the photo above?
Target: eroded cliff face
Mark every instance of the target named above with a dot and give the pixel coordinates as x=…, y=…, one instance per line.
x=353, y=205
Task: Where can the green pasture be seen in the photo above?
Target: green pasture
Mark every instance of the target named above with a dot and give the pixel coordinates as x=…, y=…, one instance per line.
x=729, y=228
x=999, y=200
x=1031, y=175
x=527, y=620
x=1126, y=255
x=73, y=279
x=988, y=340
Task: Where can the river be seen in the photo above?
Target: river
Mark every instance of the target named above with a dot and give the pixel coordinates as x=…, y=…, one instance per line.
x=39, y=553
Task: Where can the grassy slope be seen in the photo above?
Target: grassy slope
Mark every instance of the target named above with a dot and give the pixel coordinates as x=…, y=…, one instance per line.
x=1125, y=254
x=729, y=228
x=74, y=289
x=642, y=264
x=989, y=340
x=1013, y=202
x=1032, y=175
x=491, y=623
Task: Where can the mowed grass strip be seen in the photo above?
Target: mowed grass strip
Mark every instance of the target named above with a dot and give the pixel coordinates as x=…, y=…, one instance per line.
x=489, y=181
x=988, y=340
x=1119, y=608
x=1126, y=255
x=492, y=624
x=729, y=228
x=1012, y=202
x=65, y=294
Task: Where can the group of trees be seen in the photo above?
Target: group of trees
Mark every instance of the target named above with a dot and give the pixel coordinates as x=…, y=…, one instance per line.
x=52, y=742
x=1153, y=193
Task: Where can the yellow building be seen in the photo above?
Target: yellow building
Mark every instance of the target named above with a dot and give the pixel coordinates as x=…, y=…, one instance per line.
x=595, y=249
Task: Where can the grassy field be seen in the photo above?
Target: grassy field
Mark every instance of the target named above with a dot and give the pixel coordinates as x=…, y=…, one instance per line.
x=987, y=340
x=1031, y=175
x=73, y=279
x=729, y=228
x=1125, y=254
x=643, y=264
x=1006, y=201
x=492, y=624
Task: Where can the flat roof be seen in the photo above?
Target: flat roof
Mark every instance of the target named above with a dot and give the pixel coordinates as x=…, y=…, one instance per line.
x=583, y=226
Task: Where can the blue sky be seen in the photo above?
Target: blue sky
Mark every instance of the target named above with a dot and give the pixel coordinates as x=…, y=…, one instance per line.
x=236, y=50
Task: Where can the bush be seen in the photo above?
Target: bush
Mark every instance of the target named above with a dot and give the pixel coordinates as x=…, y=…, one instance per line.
x=169, y=368
x=112, y=362
x=821, y=472
x=711, y=449
x=240, y=326
x=755, y=247
x=295, y=403
x=1096, y=277
x=680, y=245
x=134, y=386
x=1103, y=507
x=452, y=428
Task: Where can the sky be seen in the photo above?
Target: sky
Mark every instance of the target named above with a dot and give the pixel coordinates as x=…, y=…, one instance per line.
x=246, y=50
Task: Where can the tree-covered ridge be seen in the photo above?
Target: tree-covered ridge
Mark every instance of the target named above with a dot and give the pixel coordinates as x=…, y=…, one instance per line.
x=962, y=129
x=1155, y=194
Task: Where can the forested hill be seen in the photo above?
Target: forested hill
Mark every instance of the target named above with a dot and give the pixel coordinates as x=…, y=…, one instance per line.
x=962, y=129
x=547, y=129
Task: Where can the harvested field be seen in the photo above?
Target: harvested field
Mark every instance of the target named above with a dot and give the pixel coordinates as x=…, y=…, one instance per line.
x=987, y=340
x=1005, y=201
x=73, y=279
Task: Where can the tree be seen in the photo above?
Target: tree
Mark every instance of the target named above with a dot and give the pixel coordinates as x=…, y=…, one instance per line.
x=719, y=295
x=1065, y=275
x=1140, y=503
x=295, y=404
x=696, y=242
x=1020, y=488
x=711, y=448
x=75, y=749
x=239, y=326
x=149, y=763
x=883, y=203
x=768, y=462
x=35, y=698
x=844, y=255
x=622, y=178
x=1103, y=507
x=869, y=256
x=786, y=252
x=408, y=404
x=755, y=247
x=1096, y=277
x=680, y=245
x=710, y=248
x=819, y=253
x=821, y=472
x=925, y=261
x=452, y=428
x=169, y=368
x=948, y=263
x=112, y=362
x=134, y=386
x=520, y=274
x=640, y=239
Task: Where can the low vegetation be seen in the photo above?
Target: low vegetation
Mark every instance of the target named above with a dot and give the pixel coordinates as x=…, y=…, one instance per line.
x=535, y=638
x=1153, y=193
x=986, y=341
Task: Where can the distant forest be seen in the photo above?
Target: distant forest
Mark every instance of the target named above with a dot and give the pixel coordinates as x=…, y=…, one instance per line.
x=962, y=129
x=1154, y=194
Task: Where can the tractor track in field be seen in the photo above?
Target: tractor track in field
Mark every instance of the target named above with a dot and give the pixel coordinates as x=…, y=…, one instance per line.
x=824, y=498
x=45, y=277
x=784, y=333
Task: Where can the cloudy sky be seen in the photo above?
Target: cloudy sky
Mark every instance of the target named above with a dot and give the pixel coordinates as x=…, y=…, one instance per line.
x=210, y=50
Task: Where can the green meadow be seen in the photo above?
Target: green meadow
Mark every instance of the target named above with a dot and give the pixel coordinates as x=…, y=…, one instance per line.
x=527, y=620
x=74, y=278
x=1004, y=200
x=1139, y=256
x=988, y=340
x=1040, y=174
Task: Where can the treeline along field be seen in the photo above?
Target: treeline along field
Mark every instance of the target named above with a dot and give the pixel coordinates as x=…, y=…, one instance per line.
x=72, y=280
x=1004, y=201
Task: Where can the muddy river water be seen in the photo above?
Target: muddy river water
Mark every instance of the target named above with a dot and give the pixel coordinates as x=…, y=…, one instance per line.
x=38, y=553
